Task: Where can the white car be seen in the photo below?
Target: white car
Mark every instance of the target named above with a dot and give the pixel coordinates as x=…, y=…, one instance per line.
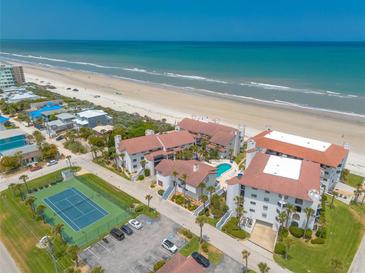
x=167, y=244
x=52, y=162
x=135, y=224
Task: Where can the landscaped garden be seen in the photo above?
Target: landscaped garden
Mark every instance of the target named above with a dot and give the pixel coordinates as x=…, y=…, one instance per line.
x=216, y=209
x=23, y=223
x=330, y=249
x=185, y=201
x=351, y=179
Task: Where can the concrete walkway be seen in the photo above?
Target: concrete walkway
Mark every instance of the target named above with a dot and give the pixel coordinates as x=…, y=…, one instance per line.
x=7, y=263
x=358, y=263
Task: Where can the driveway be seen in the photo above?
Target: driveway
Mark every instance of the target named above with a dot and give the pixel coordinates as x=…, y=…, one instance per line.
x=264, y=236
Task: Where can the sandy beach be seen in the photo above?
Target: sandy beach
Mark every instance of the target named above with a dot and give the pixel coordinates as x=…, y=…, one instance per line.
x=172, y=104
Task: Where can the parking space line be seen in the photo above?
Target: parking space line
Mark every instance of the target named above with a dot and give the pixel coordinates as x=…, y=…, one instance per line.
x=92, y=253
x=107, y=249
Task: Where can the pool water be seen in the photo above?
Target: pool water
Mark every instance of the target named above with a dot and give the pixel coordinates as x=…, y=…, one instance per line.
x=222, y=168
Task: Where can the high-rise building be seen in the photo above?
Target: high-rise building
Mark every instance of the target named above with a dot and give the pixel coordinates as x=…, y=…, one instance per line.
x=18, y=74
x=11, y=76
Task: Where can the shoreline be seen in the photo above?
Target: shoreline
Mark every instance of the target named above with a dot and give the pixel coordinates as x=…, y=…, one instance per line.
x=173, y=104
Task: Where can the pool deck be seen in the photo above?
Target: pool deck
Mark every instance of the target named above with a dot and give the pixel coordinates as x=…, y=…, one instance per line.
x=230, y=173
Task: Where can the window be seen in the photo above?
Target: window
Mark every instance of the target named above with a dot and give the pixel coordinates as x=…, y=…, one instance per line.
x=264, y=215
x=253, y=195
x=254, y=188
x=280, y=196
x=286, y=197
x=265, y=207
x=134, y=166
x=298, y=201
x=267, y=191
x=142, y=157
x=252, y=210
x=277, y=211
x=266, y=199
x=252, y=203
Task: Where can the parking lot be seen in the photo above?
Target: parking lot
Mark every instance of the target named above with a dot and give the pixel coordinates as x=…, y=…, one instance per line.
x=141, y=250
x=138, y=252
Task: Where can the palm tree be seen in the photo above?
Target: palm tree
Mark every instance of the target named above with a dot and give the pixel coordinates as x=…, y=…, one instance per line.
x=245, y=255
x=239, y=202
x=19, y=188
x=264, y=268
x=94, y=151
x=73, y=251
x=287, y=242
x=334, y=194
x=357, y=192
x=204, y=199
x=282, y=217
x=57, y=230
x=40, y=211
x=309, y=213
x=336, y=265
x=97, y=269
x=68, y=157
x=30, y=201
x=289, y=210
x=201, y=220
x=210, y=190
x=148, y=198
x=184, y=177
x=174, y=173
x=25, y=177
x=202, y=186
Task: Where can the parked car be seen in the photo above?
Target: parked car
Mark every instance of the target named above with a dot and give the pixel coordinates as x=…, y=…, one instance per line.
x=170, y=246
x=135, y=224
x=117, y=234
x=126, y=229
x=59, y=138
x=52, y=162
x=35, y=168
x=200, y=259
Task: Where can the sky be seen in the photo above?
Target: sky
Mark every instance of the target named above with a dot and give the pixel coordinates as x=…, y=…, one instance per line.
x=184, y=20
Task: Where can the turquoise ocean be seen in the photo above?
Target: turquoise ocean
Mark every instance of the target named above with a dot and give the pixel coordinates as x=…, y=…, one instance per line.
x=309, y=75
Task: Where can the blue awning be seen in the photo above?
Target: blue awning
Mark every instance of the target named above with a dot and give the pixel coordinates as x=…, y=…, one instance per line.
x=3, y=119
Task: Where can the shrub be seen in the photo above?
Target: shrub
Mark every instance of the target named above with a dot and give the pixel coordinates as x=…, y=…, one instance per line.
x=192, y=207
x=152, y=185
x=296, y=231
x=139, y=208
x=161, y=192
x=217, y=213
x=321, y=232
x=204, y=247
x=179, y=200
x=232, y=228
x=147, y=172
x=187, y=233
x=308, y=234
x=279, y=248
x=283, y=233
x=158, y=265
x=140, y=178
x=318, y=241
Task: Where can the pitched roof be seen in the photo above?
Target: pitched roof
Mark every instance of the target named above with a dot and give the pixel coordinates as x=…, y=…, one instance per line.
x=193, y=178
x=181, y=264
x=304, y=148
x=257, y=175
x=222, y=138
x=206, y=128
x=153, y=142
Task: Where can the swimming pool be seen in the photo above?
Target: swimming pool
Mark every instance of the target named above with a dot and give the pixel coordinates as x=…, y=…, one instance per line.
x=222, y=168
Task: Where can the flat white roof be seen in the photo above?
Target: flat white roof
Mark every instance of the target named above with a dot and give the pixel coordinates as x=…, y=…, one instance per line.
x=91, y=113
x=298, y=140
x=283, y=167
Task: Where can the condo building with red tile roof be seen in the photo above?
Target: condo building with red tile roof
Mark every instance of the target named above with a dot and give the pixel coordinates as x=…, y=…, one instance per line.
x=272, y=182
x=331, y=157
x=226, y=140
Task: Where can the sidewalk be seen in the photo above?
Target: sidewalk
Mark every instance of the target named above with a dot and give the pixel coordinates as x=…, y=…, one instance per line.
x=7, y=263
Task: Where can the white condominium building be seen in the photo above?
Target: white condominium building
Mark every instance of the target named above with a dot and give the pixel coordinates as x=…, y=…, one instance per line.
x=332, y=158
x=272, y=182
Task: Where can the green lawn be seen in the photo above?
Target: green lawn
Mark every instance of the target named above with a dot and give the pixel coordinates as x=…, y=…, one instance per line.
x=344, y=235
x=353, y=180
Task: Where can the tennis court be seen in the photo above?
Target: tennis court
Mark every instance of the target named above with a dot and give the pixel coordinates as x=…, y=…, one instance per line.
x=75, y=208
x=86, y=214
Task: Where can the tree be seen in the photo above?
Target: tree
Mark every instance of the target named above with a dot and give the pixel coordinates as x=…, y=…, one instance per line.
x=68, y=158
x=336, y=265
x=239, y=202
x=49, y=151
x=94, y=151
x=40, y=211
x=19, y=188
x=97, y=269
x=57, y=230
x=309, y=213
x=39, y=138
x=148, y=198
x=202, y=186
x=30, y=201
x=282, y=218
x=357, y=192
x=204, y=199
x=143, y=163
x=73, y=251
x=334, y=194
x=264, y=268
x=174, y=173
x=289, y=210
x=245, y=255
x=288, y=243
x=201, y=220
x=8, y=163
x=210, y=190
x=184, y=177
x=25, y=177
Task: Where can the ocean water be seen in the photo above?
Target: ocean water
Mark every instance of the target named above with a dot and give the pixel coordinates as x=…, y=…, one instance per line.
x=323, y=76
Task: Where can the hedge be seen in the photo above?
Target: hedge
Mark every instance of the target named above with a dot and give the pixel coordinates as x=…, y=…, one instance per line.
x=140, y=177
x=321, y=232
x=308, y=234
x=158, y=265
x=147, y=172
x=318, y=241
x=232, y=228
x=296, y=231
x=279, y=248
